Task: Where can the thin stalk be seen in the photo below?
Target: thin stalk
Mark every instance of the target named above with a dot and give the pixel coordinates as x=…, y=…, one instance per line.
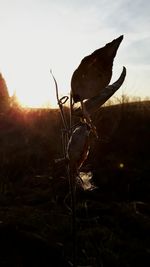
x=63, y=137
x=71, y=176
x=60, y=106
x=73, y=206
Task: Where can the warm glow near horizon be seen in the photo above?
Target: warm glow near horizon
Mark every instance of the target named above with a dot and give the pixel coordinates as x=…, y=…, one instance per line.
x=37, y=36
x=34, y=92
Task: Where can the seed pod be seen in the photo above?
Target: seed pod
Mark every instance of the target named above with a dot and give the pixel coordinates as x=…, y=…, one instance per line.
x=78, y=146
x=94, y=72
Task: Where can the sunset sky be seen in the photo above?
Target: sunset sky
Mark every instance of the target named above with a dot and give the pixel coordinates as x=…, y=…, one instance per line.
x=39, y=35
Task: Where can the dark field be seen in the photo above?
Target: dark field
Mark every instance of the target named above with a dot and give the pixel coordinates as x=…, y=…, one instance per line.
x=113, y=220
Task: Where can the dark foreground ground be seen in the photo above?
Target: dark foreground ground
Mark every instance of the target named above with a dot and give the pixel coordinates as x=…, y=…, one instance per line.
x=113, y=220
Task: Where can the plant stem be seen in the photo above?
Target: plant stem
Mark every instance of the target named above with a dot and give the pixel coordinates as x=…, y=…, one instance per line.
x=73, y=205
x=71, y=174
x=73, y=195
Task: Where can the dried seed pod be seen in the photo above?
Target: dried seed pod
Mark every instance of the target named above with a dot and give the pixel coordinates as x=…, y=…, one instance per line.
x=94, y=72
x=94, y=103
x=78, y=146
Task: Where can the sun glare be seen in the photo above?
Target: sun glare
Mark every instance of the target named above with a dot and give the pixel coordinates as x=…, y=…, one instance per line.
x=34, y=90
x=35, y=98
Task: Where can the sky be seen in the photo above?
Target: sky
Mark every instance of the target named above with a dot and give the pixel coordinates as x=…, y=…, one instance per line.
x=39, y=35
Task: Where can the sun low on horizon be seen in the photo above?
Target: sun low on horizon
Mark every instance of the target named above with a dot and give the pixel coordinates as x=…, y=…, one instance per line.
x=35, y=91
x=39, y=36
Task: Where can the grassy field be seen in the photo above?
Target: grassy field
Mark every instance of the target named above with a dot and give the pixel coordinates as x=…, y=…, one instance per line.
x=113, y=220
